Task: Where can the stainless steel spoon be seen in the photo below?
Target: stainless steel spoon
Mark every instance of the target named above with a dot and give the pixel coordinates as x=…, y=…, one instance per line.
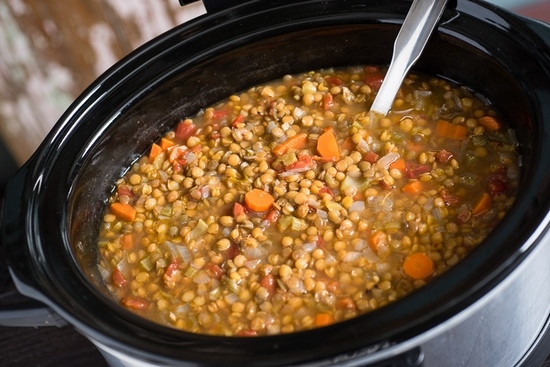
x=409, y=44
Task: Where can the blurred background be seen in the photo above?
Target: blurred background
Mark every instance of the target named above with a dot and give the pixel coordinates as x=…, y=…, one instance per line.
x=50, y=51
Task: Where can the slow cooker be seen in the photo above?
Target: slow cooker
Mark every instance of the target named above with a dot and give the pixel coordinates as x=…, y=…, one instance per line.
x=491, y=309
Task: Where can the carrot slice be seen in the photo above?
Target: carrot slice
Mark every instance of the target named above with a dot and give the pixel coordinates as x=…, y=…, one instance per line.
x=258, y=200
x=377, y=239
x=412, y=187
x=327, y=146
x=297, y=141
x=418, y=265
x=490, y=123
x=127, y=241
x=155, y=151
x=166, y=143
x=124, y=211
x=323, y=319
x=483, y=204
x=398, y=164
x=449, y=130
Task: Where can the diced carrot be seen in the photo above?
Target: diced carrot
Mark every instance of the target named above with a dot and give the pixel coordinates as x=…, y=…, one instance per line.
x=412, y=187
x=258, y=200
x=327, y=146
x=155, y=151
x=418, y=265
x=127, y=241
x=483, y=204
x=398, y=164
x=297, y=141
x=377, y=239
x=124, y=211
x=166, y=143
x=346, y=303
x=449, y=130
x=489, y=122
x=348, y=143
x=323, y=319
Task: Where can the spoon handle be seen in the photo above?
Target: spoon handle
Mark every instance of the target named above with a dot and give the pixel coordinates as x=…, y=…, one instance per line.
x=409, y=44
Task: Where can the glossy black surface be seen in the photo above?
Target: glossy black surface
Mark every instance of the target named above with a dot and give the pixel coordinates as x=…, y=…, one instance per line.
x=53, y=205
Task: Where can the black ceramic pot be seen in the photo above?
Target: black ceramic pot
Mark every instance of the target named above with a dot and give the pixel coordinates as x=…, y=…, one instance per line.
x=497, y=299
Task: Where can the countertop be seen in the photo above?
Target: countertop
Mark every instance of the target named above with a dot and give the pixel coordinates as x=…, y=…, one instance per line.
x=60, y=347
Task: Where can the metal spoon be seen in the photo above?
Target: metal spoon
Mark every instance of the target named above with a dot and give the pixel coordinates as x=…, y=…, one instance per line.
x=409, y=44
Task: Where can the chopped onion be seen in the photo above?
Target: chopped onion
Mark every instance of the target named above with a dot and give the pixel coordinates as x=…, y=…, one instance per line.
x=357, y=206
x=388, y=159
x=252, y=264
x=309, y=246
x=363, y=146
x=252, y=252
x=296, y=224
x=105, y=273
x=201, y=278
x=361, y=244
x=231, y=298
x=322, y=214
x=185, y=253
x=199, y=230
x=298, y=113
x=351, y=256
x=370, y=255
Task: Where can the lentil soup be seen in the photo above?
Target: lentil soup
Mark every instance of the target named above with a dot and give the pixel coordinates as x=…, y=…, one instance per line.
x=285, y=208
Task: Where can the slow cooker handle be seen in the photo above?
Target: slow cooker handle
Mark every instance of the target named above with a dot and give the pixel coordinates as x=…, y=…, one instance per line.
x=16, y=309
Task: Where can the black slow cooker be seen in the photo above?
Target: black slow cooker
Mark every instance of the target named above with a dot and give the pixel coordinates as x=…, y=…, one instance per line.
x=489, y=310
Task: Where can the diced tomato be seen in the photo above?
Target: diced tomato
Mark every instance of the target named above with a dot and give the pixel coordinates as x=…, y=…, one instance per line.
x=414, y=171
x=238, y=210
x=118, y=279
x=497, y=184
x=326, y=190
x=304, y=163
x=135, y=303
x=371, y=156
x=172, y=268
x=328, y=101
x=247, y=333
x=448, y=198
x=172, y=274
x=232, y=251
x=273, y=216
x=237, y=120
x=333, y=80
x=270, y=284
x=124, y=190
x=214, y=270
x=219, y=114
x=185, y=129
x=443, y=155
x=320, y=242
x=373, y=77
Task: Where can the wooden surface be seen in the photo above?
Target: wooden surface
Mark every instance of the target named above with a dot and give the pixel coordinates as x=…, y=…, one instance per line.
x=51, y=50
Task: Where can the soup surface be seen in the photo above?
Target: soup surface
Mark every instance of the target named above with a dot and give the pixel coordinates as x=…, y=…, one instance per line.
x=286, y=207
